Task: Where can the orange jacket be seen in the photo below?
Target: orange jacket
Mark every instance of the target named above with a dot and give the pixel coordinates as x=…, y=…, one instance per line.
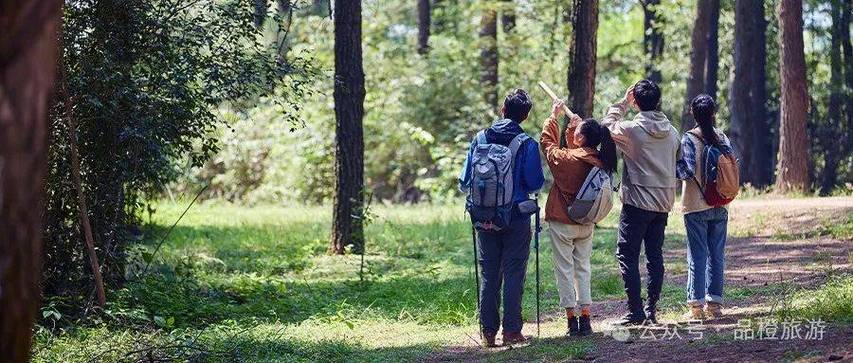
x=569, y=166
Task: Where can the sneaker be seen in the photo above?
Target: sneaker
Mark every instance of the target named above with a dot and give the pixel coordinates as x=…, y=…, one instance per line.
x=651, y=314
x=515, y=338
x=573, y=327
x=713, y=310
x=489, y=339
x=696, y=313
x=585, y=328
x=632, y=319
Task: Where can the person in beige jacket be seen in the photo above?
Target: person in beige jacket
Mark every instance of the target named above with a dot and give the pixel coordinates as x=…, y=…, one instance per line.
x=650, y=146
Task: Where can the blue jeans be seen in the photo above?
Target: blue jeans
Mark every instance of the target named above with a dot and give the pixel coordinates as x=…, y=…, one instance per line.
x=706, y=260
x=503, y=261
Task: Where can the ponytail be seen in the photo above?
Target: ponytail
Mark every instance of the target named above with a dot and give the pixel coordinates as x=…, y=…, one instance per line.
x=597, y=134
x=703, y=108
x=607, y=152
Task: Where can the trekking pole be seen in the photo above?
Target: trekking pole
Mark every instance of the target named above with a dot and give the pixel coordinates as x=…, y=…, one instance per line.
x=536, y=246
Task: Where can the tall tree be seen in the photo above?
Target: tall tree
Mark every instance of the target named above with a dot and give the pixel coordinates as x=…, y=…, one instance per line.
x=792, y=170
x=713, y=62
x=582, y=56
x=749, y=125
x=653, y=40
x=28, y=50
x=832, y=135
x=698, y=58
x=347, y=223
x=847, y=47
x=489, y=54
x=423, y=26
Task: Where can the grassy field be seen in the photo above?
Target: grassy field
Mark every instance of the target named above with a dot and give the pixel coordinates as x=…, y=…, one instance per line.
x=254, y=284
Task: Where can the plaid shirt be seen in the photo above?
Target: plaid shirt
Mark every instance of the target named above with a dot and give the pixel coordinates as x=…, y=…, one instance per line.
x=685, y=167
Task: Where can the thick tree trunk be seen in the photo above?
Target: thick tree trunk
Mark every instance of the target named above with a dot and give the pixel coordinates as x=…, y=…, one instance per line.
x=423, y=26
x=582, y=56
x=749, y=133
x=698, y=59
x=833, y=134
x=489, y=55
x=28, y=49
x=347, y=224
x=653, y=40
x=713, y=61
x=792, y=170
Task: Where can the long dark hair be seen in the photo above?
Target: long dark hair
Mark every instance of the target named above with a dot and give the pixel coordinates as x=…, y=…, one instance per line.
x=704, y=107
x=597, y=134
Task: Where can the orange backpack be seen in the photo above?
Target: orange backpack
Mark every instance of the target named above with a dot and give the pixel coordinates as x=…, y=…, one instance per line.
x=721, y=174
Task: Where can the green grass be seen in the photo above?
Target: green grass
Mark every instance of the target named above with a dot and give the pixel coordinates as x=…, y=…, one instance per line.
x=254, y=284
x=832, y=301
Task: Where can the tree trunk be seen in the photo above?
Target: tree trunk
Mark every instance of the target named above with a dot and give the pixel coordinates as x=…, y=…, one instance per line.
x=28, y=50
x=347, y=225
x=489, y=55
x=792, y=173
x=848, y=72
x=423, y=26
x=653, y=40
x=832, y=133
x=582, y=56
x=260, y=14
x=713, y=61
x=749, y=128
x=508, y=16
x=698, y=59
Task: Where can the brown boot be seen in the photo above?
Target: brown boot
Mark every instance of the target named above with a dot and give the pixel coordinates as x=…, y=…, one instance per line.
x=713, y=310
x=489, y=339
x=514, y=338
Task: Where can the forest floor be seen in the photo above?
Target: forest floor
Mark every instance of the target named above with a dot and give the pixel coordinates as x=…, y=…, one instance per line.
x=254, y=284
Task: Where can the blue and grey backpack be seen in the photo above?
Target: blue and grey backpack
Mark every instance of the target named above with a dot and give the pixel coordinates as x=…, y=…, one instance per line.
x=489, y=199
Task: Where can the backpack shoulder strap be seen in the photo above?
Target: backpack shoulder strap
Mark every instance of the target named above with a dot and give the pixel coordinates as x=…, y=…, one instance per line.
x=516, y=143
x=481, y=137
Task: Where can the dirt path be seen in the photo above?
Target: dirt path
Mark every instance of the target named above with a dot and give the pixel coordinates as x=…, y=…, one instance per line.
x=784, y=246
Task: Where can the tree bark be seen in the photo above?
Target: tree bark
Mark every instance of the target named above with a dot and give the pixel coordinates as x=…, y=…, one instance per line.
x=653, y=40
x=698, y=59
x=347, y=225
x=489, y=55
x=582, y=56
x=712, y=64
x=28, y=50
x=423, y=26
x=749, y=128
x=792, y=173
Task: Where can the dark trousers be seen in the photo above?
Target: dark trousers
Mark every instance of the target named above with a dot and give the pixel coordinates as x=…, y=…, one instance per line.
x=637, y=227
x=503, y=259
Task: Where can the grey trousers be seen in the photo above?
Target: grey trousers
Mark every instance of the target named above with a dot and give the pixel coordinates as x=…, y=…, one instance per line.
x=503, y=261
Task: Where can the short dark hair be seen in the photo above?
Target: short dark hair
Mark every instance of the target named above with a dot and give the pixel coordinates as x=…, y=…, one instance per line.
x=517, y=105
x=647, y=95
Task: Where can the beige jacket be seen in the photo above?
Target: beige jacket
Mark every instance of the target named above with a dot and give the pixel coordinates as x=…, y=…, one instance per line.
x=650, y=147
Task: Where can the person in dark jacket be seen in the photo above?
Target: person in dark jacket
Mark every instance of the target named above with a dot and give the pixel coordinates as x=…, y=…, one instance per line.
x=503, y=254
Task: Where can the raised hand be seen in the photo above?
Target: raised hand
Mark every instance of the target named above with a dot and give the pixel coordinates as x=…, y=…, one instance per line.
x=557, y=108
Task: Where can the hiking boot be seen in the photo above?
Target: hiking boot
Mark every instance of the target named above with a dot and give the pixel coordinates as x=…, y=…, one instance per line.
x=585, y=328
x=635, y=318
x=489, y=339
x=696, y=313
x=713, y=310
x=514, y=338
x=573, y=326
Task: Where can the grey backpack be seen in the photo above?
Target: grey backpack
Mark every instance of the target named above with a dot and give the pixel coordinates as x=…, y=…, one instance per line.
x=595, y=198
x=490, y=194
